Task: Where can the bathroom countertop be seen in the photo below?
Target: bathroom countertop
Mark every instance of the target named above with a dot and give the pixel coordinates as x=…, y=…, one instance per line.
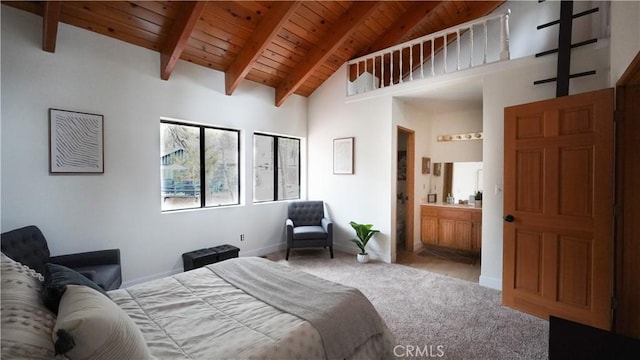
x=456, y=206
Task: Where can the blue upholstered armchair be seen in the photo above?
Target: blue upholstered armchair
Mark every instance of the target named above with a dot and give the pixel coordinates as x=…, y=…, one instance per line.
x=307, y=226
x=28, y=246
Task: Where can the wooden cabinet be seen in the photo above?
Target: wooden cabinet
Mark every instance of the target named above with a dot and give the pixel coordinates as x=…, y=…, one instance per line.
x=429, y=226
x=453, y=227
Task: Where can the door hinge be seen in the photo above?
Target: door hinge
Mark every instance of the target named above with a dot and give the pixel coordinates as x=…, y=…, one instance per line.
x=618, y=116
x=617, y=210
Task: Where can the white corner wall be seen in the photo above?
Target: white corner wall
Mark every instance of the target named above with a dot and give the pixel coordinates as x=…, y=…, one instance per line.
x=121, y=208
x=363, y=197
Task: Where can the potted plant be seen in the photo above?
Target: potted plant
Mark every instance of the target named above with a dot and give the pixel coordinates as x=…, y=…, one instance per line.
x=364, y=232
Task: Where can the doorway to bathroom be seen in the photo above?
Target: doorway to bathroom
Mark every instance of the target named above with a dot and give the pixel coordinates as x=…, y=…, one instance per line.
x=405, y=189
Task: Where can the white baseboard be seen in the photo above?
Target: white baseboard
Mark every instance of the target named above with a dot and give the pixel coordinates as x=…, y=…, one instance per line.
x=265, y=250
x=353, y=250
x=490, y=282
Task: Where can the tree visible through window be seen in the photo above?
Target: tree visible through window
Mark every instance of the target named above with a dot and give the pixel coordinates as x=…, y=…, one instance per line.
x=200, y=166
x=276, y=168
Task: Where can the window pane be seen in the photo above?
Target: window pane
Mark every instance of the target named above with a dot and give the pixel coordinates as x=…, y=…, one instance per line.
x=288, y=169
x=221, y=167
x=180, y=166
x=263, y=161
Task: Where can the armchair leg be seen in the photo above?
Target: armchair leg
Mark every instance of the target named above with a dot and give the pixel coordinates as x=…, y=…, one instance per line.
x=287, y=256
x=331, y=251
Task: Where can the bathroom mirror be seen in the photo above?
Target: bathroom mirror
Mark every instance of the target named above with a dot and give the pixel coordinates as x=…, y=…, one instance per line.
x=461, y=179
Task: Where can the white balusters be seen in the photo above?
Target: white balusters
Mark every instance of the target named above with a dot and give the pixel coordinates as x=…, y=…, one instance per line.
x=405, y=72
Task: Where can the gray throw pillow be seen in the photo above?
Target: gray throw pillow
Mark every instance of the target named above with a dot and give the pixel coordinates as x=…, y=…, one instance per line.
x=56, y=279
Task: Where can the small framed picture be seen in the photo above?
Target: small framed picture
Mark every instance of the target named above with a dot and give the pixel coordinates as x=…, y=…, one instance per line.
x=432, y=198
x=436, y=169
x=426, y=165
x=343, y=156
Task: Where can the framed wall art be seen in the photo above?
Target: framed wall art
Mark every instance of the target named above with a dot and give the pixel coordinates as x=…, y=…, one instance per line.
x=343, y=155
x=437, y=168
x=426, y=165
x=76, y=142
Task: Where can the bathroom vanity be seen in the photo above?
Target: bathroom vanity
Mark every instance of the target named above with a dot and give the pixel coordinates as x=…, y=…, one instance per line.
x=452, y=226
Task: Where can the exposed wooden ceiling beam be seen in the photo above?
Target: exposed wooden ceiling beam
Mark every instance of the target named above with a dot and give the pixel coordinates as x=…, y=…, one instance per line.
x=180, y=33
x=403, y=26
x=345, y=26
x=267, y=29
x=50, y=19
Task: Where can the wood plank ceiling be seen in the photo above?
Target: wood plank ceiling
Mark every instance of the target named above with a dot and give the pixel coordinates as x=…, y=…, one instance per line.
x=292, y=46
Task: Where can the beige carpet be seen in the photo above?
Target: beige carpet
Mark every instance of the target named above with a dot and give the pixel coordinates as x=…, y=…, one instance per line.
x=436, y=314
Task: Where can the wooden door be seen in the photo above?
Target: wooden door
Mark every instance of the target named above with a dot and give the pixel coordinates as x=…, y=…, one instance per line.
x=558, y=206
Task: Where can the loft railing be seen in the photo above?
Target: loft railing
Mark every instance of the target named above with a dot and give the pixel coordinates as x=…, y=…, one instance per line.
x=430, y=55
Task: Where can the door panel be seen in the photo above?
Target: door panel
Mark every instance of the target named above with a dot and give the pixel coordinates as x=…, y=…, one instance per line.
x=559, y=189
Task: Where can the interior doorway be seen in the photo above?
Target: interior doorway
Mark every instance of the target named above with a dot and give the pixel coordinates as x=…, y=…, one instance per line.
x=405, y=199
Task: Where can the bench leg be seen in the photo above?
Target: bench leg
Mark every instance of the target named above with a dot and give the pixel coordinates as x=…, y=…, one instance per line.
x=287, y=256
x=331, y=251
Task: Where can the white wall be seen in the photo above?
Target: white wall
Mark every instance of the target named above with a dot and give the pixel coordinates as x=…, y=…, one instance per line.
x=92, y=73
x=625, y=36
x=365, y=196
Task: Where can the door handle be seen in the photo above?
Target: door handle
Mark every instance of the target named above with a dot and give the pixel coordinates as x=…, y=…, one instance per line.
x=509, y=218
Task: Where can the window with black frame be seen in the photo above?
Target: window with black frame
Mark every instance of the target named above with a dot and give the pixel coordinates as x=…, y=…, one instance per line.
x=200, y=166
x=276, y=168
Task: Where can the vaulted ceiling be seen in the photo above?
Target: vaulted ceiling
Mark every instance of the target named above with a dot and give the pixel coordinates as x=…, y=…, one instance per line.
x=292, y=46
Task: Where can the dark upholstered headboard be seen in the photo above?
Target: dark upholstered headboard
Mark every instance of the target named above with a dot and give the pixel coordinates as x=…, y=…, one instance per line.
x=28, y=246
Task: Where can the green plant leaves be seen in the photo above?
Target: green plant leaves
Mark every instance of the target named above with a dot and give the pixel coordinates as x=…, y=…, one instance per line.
x=364, y=232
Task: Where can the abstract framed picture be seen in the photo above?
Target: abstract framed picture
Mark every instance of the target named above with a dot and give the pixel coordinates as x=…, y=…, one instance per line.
x=76, y=142
x=343, y=156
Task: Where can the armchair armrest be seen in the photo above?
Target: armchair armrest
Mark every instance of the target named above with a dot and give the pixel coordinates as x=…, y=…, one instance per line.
x=327, y=225
x=288, y=224
x=91, y=258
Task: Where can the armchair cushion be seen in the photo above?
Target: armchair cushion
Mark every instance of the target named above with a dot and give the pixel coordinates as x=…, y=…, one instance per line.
x=309, y=232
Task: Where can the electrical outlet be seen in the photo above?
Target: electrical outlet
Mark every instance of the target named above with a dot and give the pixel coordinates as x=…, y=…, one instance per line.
x=241, y=237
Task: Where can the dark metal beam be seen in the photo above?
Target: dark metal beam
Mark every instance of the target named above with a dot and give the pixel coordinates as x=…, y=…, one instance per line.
x=564, y=48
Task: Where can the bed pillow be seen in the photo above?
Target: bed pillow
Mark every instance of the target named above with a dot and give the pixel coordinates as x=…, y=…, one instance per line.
x=27, y=325
x=56, y=279
x=91, y=326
